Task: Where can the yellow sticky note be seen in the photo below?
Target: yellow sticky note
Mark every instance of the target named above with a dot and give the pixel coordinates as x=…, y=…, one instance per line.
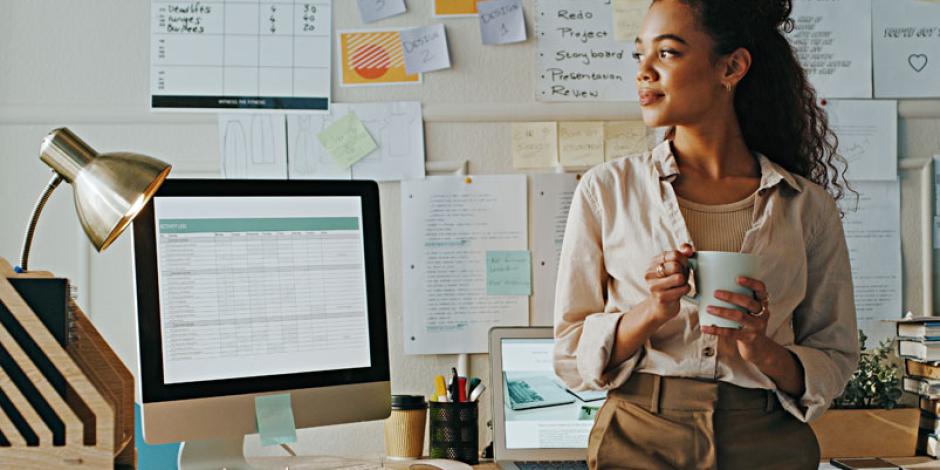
x=628, y=17
x=622, y=138
x=534, y=144
x=581, y=143
x=347, y=140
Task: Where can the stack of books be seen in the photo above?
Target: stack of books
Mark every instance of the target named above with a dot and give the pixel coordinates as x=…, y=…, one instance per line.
x=919, y=346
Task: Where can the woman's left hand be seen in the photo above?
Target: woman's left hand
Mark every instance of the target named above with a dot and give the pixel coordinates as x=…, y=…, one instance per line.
x=751, y=338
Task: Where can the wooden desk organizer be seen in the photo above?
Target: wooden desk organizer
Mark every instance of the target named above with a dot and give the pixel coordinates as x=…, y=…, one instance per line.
x=96, y=408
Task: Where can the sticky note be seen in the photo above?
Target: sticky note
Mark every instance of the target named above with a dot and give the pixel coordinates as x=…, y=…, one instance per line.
x=508, y=273
x=534, y=144
x=581, y=143
x=628, y=17
x=455, y=7
x=501, y=21
x=374, y=10
x=622, y=138
x=347, y=140
x=275, y=419
x=425, y=49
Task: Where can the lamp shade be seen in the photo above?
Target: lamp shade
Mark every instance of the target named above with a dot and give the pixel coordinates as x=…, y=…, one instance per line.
x=110, y=189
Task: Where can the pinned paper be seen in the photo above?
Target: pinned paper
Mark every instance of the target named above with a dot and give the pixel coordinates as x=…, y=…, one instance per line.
x=275, y=419
x=508, y=273
x=253, y=146
x=501, y=21
x=581, y=143
x=374, y=10
x=455, y=7
x=369, y=58
x=906, y=48
x=628, y=17
x=425, y=49
x=622, y=138
x=534, y=144
x=347, y=140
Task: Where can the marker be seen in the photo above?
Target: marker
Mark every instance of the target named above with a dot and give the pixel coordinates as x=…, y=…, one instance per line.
x=454, y=394
x=462, y=389
x=439, y=387
x=472, y=384
x=477, y=391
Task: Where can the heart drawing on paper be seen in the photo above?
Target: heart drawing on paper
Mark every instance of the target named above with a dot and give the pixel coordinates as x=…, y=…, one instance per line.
x=917, y=61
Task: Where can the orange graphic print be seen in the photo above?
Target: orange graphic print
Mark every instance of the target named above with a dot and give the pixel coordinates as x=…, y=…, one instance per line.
x=373, y=57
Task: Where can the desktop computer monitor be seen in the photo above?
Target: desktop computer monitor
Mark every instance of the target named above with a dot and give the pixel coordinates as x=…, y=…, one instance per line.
x=247, y=288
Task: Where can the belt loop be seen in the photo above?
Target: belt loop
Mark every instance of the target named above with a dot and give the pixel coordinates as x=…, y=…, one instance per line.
x=654, y=398
x=771, y=401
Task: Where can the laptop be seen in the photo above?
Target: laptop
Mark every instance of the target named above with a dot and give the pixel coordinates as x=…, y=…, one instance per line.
x=538, y=423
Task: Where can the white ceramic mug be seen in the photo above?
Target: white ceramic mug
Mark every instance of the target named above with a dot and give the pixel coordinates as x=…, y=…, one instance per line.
x=719, y=270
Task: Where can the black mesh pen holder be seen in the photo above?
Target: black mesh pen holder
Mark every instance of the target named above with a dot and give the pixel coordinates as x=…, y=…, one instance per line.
x=453, y=430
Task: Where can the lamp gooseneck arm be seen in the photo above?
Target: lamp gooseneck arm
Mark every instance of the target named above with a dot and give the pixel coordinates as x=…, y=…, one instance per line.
x=28, y=240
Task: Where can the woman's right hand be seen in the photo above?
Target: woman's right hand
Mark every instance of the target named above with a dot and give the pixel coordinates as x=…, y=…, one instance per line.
x=668, y=279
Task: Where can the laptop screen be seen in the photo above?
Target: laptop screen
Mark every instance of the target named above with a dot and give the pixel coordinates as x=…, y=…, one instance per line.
x=541, y=412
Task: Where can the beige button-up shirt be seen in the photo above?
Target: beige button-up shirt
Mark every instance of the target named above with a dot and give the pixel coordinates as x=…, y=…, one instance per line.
x=625, y=212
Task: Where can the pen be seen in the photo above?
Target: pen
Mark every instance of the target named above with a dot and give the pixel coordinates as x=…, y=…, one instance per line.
x=472, y=384
x=454, y=395
x=477, y=391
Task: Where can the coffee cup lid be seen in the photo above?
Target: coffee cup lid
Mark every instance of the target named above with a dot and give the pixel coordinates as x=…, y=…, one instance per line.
x=408, y=402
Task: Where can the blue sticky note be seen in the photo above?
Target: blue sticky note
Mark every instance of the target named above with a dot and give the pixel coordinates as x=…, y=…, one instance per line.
x=153, y=457
x=275, y=419
x=508, y=273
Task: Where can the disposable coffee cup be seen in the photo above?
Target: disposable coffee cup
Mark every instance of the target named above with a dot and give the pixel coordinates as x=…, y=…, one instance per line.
x=404, y=428
x=719, y=270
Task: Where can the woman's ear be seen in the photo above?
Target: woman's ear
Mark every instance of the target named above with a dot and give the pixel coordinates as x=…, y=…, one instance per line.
x=736, y=66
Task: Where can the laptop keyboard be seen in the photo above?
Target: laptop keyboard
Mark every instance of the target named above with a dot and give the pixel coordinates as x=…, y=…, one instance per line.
x=553, y=465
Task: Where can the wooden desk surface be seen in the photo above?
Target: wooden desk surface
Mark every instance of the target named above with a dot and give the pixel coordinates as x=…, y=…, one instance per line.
x=321, y=463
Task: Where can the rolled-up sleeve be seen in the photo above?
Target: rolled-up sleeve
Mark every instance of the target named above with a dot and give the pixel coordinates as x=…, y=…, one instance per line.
x=825, y=331
x=584, y=332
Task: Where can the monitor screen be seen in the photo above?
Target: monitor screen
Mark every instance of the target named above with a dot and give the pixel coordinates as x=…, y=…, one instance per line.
x=540, y=411
x=259, y=286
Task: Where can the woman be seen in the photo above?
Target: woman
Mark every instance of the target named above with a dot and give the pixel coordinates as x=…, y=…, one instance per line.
x=749, y=165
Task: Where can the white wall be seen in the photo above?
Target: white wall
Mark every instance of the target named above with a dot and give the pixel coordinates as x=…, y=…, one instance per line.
x=84, y=64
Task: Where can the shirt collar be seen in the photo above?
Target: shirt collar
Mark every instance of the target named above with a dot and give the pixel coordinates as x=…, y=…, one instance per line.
x=666, y=166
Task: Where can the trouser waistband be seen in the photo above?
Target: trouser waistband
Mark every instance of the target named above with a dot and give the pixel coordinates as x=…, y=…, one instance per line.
x=657, y=392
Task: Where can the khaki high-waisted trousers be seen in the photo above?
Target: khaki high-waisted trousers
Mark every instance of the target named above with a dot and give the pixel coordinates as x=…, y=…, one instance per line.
x=654, y=422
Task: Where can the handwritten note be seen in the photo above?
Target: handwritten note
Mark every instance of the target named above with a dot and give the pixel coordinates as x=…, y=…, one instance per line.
x=374, y=10
x=906, y=50
x=448, y=226
x=425, y=49
x=275, y=419
x=508, y=273
x=628, y=16
x=501, y=21
x=833, y=42
x=347, y=140
x=534, y=144
x=578, y=57
x=581, y=143
x=868, y=137
x=622, y=138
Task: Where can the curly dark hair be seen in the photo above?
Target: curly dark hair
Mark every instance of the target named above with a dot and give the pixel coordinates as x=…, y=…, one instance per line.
x=775, y=104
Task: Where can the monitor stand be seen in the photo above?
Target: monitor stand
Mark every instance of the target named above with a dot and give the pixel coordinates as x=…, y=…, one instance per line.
x=214, y=454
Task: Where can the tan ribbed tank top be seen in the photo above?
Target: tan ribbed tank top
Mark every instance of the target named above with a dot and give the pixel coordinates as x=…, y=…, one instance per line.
x=718, y=227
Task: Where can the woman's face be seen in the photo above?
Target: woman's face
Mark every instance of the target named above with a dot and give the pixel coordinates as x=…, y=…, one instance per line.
x=678, y=79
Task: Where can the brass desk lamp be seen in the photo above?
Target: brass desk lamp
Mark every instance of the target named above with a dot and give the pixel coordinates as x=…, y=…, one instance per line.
x=110, y=189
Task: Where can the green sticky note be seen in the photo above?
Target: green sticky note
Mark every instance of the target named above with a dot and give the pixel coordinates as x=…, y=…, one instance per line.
x=508, y=273
x=347, y=140
x=275, y=419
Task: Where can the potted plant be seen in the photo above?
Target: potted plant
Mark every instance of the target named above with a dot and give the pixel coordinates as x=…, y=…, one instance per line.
x=866, y=421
